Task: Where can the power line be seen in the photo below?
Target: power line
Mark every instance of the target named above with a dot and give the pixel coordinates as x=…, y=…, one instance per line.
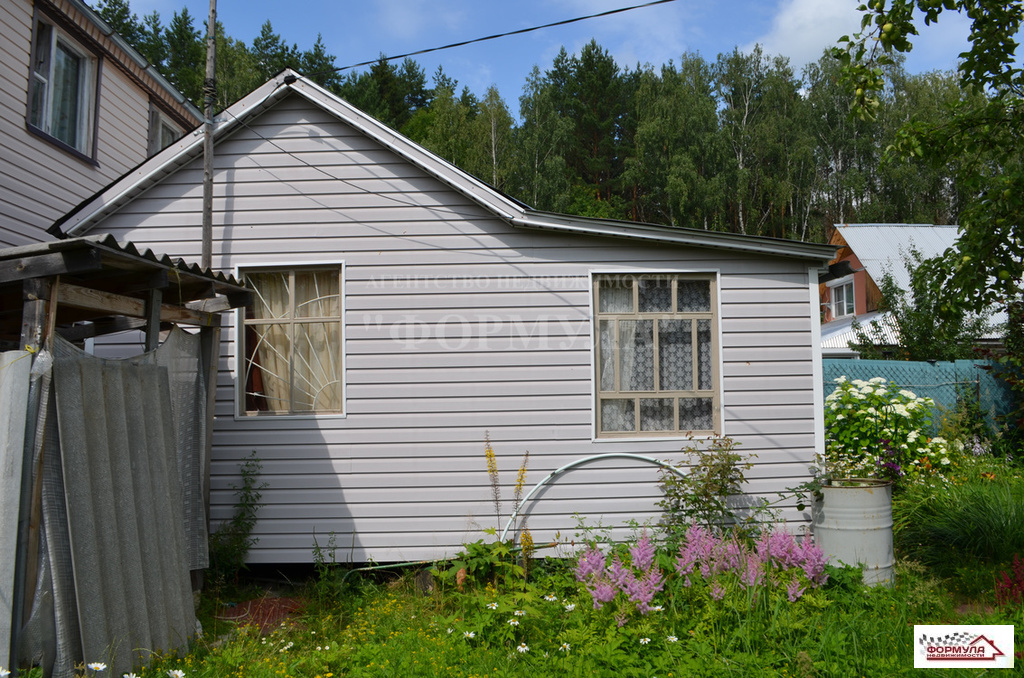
x=507, y=34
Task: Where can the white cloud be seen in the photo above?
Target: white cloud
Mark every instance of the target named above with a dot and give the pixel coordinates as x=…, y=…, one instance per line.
x=802, y=29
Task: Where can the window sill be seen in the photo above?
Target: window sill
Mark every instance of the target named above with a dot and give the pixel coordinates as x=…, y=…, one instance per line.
x=54, y=141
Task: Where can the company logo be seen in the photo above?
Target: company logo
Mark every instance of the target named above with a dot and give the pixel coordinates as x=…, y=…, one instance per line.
x=965, y=646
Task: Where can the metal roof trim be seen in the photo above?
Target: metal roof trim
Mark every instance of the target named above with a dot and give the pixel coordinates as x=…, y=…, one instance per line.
x=676, y=235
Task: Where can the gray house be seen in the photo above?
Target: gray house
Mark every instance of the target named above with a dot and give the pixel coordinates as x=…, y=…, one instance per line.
x=78, y=107
x=406, y=310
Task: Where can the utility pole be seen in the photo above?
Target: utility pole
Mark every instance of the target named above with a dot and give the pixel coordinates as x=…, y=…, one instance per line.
x=209, y=98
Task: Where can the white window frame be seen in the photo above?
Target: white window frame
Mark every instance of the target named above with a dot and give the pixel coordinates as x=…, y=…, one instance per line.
x=159, y=123
x=47, y=38
x=715, y=388
x=242, y=350
x=850, y=300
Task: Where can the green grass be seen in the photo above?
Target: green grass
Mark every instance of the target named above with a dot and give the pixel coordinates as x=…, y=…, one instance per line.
x=381, y=624
x=387, y=628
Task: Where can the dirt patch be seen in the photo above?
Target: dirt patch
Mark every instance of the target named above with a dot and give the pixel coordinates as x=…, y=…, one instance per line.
x=266, y=613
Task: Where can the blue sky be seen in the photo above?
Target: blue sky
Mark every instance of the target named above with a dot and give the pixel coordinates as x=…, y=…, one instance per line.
x=360, y=31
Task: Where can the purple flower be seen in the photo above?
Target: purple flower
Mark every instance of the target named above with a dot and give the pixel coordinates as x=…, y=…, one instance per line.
x=778, y=549
x=717, y=592
x=642, y=553
x=814, y=562
x=602, y=591
x=752, y=572
x=641, y=591
x=591, y=562
x=618, y=573
x=794, y=590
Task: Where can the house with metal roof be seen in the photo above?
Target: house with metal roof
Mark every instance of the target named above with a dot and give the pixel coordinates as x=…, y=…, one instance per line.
x=406, y=312
x=850, y=291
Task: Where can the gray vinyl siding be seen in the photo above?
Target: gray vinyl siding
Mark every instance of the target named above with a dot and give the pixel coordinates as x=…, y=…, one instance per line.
x=501, y=318
x=40, y=181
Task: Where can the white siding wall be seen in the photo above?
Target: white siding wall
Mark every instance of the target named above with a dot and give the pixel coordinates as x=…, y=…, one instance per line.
x=39, y=181
x=502, y=345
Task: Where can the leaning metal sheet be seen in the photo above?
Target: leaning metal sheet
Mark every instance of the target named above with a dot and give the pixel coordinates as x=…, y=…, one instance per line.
x=14, y=380
x=124, y=507
x=180, y=354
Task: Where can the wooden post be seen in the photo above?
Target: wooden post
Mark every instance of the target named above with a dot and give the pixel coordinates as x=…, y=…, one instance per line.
x=39, y=310
x=34, y=314
x=209, y=338
x=210, y=96
x=153, y=308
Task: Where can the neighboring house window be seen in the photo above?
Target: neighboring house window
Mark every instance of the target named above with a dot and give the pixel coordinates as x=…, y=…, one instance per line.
x=62, y=93
x=292, y=336
x=162, y=132
x=842, y=299
x=656, y=354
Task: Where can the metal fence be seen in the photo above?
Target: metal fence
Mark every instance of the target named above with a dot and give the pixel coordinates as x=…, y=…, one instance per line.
x=943, y=382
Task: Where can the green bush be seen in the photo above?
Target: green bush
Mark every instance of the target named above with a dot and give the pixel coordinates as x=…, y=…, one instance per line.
x=874, y=429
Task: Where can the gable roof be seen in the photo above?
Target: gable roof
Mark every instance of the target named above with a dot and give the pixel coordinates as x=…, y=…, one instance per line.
x=881, y=248
x=93, y=210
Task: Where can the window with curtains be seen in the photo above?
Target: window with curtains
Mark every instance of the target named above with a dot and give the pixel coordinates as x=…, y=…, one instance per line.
x=656, y=354
x=62, y=89
x=292, y=342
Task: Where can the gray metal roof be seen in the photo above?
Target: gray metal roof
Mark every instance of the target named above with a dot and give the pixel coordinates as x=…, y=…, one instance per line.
x=882, y=248
x=837, y=334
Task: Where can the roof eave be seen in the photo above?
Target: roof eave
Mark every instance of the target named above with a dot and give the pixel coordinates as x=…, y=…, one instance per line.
x=815, y=252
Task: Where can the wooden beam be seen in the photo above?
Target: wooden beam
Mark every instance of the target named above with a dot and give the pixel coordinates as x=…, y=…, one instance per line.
x=117, y=304
x=128, y=282
x=100, y=327
x=47, y=265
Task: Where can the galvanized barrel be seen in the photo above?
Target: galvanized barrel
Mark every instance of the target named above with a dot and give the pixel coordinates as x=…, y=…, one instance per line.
x=853, y=526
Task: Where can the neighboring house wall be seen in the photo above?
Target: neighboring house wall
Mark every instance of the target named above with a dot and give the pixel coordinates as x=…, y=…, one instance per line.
x=458, y=325
x=865, y=292
x=42, y=177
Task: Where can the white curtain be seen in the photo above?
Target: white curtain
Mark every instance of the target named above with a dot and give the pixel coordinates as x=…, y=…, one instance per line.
x=293, y=362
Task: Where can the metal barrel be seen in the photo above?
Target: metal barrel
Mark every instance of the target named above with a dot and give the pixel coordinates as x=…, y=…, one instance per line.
x=853, y=526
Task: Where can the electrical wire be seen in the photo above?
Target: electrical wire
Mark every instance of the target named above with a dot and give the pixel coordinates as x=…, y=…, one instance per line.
x=521, y=31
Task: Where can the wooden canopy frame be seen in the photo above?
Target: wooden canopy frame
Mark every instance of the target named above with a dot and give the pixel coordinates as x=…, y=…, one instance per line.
x=91, y=286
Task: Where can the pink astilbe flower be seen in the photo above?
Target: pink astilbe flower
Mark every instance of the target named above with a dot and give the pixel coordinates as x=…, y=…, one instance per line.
x=696, y=550
x=727, y=556
x=717, y=592
x=814, y=562
x=590, y=563
x=794, y=591
x=642, y=553
x=602, y=591
x=753, y=571
x=618, y=573
x=778, y=549
x=641, y=591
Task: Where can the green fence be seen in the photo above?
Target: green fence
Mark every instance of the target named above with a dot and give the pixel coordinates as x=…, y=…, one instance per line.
x=940, y=381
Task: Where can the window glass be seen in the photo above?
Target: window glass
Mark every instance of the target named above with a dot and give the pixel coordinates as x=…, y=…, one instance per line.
x=843, y=300
x=62, y=93
x=293, y=340
x=657, y=358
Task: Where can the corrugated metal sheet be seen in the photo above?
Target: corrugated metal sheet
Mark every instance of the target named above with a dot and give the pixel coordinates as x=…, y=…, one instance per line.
x=14, y=380
x=114, y=579
x=837, y=335
x=882, y=247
